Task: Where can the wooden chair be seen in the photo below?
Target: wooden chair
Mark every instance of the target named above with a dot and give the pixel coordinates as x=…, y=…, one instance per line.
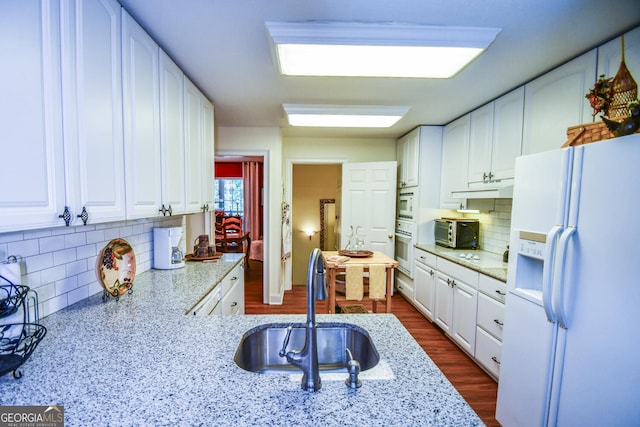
x=229, y=226
x=232, y=224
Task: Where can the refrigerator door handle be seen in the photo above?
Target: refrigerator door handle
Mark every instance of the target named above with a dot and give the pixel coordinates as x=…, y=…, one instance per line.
x=558, y=278
x=548, y=272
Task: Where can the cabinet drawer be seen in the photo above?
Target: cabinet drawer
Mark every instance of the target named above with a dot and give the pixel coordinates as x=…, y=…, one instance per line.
x=231, y=279
x=494, y=288
x=233, y=301
x=490, y=315
x=426, y=258
x=458, y=272
x=488, y=351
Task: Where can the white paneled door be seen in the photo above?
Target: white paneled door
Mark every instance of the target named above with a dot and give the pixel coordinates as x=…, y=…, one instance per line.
x=369, y=201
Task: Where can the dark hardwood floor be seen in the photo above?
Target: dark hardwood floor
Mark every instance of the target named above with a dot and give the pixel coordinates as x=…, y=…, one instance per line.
x=478, y=389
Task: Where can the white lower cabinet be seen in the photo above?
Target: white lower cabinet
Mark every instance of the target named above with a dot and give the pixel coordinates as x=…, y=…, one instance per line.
x=210, y=304
x=457, y=302
x=425, y=283
x=463, y=323
x=233, y=291
x=226, y=298
x=490, y=324
x=443, y=303
x=468, y=306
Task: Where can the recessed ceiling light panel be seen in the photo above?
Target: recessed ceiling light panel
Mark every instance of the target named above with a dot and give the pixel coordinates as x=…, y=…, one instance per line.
x=343, y=115
x=324, y=48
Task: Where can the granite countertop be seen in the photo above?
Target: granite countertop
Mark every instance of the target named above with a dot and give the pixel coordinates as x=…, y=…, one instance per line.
x=494, y=267
x=142, y=361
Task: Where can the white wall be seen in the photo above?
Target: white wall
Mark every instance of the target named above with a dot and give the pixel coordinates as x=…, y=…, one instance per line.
x=348, y=149
x=60, y=263
x=267, y=142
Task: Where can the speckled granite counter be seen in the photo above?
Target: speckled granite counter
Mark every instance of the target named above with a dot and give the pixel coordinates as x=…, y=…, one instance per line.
x=141, y=361
x=498, y=269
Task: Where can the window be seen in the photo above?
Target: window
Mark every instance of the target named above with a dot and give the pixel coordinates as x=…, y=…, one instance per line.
x=229, y=196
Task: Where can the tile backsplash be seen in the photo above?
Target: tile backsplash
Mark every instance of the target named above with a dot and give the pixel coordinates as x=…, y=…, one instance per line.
x=60, y=263
x=495, y=226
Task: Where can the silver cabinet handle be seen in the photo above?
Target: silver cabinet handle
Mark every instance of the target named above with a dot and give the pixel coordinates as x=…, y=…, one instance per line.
x=233, y=304
x=499, y=292
x=495, y=359
x=499, y=323
x=431, y=272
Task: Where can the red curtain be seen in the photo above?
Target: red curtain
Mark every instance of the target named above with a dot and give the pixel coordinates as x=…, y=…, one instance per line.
x=252, y=177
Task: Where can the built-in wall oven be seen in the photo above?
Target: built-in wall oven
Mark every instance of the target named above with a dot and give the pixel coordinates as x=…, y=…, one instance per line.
x=405, y=239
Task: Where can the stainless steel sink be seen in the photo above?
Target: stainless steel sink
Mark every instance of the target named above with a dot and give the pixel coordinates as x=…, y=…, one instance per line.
x=259, y=348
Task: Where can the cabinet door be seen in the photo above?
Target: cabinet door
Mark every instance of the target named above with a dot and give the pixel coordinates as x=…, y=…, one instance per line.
x=172, y=135
x=141, y=105
x=92, y=103
x=32, y=172
x=444, y=302
x=412, y=158
x=455, y=149
x=210, y=304
x=208, y=149
x=408, y=155
x=400, y=157
x=193, y=138
x=425, y=289
x=507, y=133
x=463, y=322
x=555, y=101
x=480, y=142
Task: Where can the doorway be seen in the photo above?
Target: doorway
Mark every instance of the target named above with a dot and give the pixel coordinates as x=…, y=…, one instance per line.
x=244, y=197
x=314, y=190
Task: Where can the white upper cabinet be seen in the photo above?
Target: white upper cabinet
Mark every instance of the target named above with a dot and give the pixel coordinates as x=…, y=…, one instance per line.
x=172, y=136
x=199, y=138
x=194, y=141
x=92, y=104
x=208, y=149
x=408, y=156
x=455, y=149
x=32, y=172
x=556, y=101
x=508, y=115
x=480, y=142
x=496, y=138
x=141, y=120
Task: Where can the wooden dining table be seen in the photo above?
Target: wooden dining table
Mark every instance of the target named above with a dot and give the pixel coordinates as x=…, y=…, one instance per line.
x=333, y=268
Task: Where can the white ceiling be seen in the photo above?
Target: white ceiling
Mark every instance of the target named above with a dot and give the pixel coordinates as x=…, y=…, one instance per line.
x=222, y=46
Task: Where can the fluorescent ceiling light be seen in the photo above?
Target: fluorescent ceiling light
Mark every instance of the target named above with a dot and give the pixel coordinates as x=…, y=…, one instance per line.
x=325, y=48
x=343, y=115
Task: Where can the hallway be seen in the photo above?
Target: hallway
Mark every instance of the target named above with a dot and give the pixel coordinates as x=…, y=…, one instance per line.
x=478, y=389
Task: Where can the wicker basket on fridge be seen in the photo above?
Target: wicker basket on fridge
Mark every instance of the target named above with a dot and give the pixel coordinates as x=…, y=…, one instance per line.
x=625, y=90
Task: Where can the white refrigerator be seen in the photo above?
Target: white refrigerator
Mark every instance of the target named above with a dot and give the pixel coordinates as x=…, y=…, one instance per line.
x=571, y=342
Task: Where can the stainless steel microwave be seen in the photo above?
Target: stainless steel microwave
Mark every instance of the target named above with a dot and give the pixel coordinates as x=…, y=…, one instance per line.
x=457, y=233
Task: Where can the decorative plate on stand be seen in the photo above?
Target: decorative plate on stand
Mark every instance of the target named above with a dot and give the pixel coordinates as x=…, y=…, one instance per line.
x=116, y=267
x=356, y=254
